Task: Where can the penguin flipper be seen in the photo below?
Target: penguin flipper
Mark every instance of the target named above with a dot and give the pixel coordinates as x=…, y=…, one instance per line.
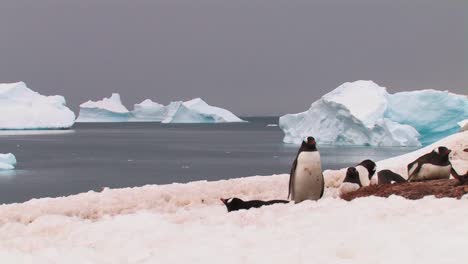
x=323, y=187
x=291, y=178
x=456, y=175
x=413, y=170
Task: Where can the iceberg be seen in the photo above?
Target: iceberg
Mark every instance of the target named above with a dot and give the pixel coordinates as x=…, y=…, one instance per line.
x=23, y=108
x=149, y=111
x=106, y=110
x=7, y=161
x=463, y=125
x=364, y=113
x=193, y=111
x=198, y=111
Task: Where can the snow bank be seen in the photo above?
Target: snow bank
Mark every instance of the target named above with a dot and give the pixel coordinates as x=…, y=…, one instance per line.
x=106, y=110
x=7, y=161
x=363, y=113
x=23, y=108
x=186, y=223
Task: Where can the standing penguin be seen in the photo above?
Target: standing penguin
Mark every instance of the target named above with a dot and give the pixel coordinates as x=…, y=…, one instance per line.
x=431, y=166
x=306, y=180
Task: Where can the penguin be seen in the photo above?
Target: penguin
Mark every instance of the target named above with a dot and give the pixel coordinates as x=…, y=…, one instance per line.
x=234, y=204
x=352, y=176
x=362, y=173
x=431, y=166
x=306, y=180
x=388, y=177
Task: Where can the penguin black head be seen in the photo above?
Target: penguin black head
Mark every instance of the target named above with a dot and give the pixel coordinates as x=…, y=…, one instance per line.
x=370, y=166
x=442, y=152
x=233, y=204
x=309, y=144
x=352, y=176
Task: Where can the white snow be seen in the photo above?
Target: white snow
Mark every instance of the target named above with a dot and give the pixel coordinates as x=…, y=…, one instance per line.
x=7, y=161
x=22, y=108
x=106, y=110
x=364, y=113
x=186, y=223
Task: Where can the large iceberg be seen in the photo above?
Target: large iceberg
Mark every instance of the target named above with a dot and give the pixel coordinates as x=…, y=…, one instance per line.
x=106, y=110
x=364, y=113
x=23, y=108
x=7, y=161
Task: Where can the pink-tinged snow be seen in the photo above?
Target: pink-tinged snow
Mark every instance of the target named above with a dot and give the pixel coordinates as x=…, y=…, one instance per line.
x=186, y=223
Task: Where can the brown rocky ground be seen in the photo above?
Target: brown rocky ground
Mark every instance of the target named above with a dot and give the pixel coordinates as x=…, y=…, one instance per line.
x=412, y=190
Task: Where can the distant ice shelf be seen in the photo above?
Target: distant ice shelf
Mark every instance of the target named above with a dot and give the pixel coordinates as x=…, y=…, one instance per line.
x=364, y=113
x=22, y=108
x=193, y=111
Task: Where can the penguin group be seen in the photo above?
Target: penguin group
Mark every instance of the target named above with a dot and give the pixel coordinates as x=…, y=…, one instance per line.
x=306, y=181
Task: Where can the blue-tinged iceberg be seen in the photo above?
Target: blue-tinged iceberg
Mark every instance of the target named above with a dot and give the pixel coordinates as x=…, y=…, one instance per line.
x=23, y=108
x=7, y=161
x=149, y=111
x=364, y=113
x=106, y=110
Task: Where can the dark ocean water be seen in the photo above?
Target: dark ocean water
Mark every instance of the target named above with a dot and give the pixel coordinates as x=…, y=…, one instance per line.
x=93, y=156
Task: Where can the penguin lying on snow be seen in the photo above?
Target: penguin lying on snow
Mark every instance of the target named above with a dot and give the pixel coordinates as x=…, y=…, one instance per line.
x=306, y=180
x=362, y=173
x=431, y=166
x=388, y=177
x=234, y=204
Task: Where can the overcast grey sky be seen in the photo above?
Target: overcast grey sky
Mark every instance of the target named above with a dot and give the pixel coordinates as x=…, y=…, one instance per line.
x=253, y=57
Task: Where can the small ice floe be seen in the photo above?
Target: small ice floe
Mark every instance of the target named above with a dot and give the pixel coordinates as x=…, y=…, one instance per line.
x=272, y=125
x=185, y=167
x=7, y=161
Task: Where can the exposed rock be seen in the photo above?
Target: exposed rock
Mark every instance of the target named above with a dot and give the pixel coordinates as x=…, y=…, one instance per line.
x=412, y=190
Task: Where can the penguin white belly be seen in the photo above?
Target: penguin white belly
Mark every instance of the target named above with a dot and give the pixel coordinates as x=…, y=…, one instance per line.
x=432, y=172
x=308, y=178
x=363, y=175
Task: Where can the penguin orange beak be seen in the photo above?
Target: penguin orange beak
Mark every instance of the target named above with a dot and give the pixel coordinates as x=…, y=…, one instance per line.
x=448, y=151
x=223, y=200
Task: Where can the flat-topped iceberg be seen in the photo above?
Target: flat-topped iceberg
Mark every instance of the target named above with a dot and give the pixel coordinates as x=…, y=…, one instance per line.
x=7, y=161
x=364, y=113
x=106, y=110
x=22, y=108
